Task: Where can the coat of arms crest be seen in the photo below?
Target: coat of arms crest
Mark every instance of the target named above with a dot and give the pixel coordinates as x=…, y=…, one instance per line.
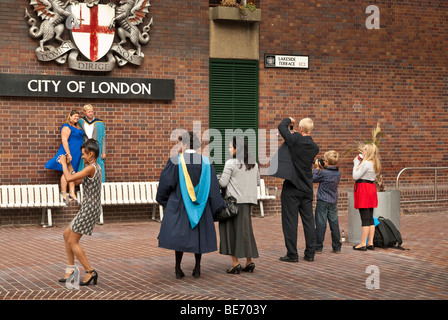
x=101, y=35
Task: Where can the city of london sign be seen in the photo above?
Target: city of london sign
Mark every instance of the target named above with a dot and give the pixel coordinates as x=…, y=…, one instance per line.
x=101, y=35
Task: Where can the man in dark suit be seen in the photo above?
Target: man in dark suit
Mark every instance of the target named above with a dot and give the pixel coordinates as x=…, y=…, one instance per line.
x=293, y=162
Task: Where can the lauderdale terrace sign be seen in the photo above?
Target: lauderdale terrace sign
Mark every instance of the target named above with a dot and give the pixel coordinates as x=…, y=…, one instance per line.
x=85, y=87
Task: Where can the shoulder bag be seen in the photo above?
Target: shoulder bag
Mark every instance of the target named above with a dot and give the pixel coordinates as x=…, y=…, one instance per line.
x=230, y=211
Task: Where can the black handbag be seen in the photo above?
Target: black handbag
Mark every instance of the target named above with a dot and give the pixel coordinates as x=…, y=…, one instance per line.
x=230, y=211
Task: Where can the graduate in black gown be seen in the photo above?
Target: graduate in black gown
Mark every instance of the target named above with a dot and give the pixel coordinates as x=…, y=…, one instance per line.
x=189, y=192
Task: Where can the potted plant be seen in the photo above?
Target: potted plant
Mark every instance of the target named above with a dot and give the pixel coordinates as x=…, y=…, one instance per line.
x=247, y=11
x=388, y=201
x=356, y=148
x=245, y=8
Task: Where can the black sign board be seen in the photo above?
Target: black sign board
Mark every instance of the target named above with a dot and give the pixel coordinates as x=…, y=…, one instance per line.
x=26, y=85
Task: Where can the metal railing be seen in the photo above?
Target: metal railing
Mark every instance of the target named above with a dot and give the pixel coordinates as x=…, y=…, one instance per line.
x=397, y=183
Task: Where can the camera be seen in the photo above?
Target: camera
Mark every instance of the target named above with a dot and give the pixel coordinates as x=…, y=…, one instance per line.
x=321, y=162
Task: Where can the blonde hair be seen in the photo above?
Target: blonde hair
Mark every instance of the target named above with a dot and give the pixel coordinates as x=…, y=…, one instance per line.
x=88, y=107
x=372, y=154
x=307, y=125
x=332, y=157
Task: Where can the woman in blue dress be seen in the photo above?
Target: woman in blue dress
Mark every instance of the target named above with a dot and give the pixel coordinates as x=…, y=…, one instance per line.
x=72, y=140
x=189, y=191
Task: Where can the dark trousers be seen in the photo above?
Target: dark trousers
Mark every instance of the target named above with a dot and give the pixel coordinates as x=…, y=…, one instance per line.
x=295, y=202
x=327, y=211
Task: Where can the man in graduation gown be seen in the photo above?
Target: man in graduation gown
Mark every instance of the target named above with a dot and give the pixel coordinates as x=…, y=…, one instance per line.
x=189, y=191
x=94, y=128
x=293, y=162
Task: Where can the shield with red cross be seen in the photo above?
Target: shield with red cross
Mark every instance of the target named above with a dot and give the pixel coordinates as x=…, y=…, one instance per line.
x=90, y=32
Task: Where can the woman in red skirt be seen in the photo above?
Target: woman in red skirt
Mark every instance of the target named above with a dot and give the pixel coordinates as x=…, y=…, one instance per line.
x=365, y=169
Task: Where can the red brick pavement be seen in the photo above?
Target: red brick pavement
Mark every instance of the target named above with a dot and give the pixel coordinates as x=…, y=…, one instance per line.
x=132, y=267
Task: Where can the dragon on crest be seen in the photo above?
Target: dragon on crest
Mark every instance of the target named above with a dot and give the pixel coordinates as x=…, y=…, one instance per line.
x=57, y=15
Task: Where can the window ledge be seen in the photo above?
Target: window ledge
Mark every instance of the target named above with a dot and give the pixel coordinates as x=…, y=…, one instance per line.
x=230, y=13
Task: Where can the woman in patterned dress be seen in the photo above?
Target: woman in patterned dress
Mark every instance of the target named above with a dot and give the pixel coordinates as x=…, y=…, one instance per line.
x=90, y=211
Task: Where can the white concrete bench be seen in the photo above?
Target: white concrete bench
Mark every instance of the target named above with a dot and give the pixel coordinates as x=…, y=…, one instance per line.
x=128, y=193
x=32, y=196
x=263, y=194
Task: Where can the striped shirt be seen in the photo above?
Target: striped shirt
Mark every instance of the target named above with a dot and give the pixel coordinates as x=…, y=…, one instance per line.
x=328, y=180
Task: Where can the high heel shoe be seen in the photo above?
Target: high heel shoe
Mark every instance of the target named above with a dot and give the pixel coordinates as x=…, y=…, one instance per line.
x=72, y=195
x=249, y=268
x=63, y=280
x=236, y=269
x=94, y=277
x=64, y=197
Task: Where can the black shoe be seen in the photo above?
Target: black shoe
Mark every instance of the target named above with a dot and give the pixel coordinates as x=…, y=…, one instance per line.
x=63, y=280
x=308, y=259
x=249, y=268
x=196, y=272
x=371, y=247
x=236, y=269
x=289, y=259
x=363, y=248
x=179, y=273
x=93, y=278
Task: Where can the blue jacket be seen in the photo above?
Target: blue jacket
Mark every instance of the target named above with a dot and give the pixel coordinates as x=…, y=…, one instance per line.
x=328, y=179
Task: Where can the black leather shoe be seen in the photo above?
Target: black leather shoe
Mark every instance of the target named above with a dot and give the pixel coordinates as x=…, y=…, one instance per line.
x=236, y=269
x=370, y=247
x=93, y=278
x=179, y=273
x=308, y=259
x=289, y=259
x=196, y=272
x=249, y=268
x=363, y=248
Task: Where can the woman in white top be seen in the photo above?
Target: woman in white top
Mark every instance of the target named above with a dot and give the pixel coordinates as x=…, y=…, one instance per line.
x=240, y=177
x=365, y=169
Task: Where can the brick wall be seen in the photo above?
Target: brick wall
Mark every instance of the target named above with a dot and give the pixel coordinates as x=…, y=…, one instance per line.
x=396, y=75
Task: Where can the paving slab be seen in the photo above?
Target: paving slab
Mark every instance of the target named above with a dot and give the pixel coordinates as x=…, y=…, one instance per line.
x=132, y=267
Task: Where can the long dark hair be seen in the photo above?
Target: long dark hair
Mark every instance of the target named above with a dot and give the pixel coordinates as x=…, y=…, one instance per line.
x=242, y=153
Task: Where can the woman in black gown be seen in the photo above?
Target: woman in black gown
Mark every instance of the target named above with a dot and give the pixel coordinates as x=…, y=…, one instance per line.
x=187, y=224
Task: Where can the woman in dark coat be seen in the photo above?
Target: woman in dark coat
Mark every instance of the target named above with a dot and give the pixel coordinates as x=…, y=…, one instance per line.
x=187, y=224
